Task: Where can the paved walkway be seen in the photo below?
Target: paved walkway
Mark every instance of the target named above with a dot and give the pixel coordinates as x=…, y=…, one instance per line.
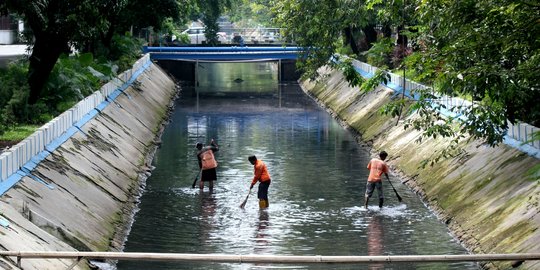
x=12, y=50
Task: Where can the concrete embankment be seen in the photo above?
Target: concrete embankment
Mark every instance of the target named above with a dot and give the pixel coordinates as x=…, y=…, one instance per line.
x=488, y=196
x=84, y=192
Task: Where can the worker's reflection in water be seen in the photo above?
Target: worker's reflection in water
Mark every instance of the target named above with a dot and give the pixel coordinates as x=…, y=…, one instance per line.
x=261, y=234
x=208, y=210
x=375, y=241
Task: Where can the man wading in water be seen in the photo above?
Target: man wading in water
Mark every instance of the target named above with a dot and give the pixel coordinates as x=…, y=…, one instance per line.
x=376, y=169
x=260, y=175
x=207, y=163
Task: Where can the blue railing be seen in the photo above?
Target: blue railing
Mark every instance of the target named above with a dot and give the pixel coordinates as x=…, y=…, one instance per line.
x=519, y=135
x=224, y=53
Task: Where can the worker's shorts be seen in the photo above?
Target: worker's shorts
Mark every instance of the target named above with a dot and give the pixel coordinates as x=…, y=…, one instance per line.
x=371, y=186
x=262, y=193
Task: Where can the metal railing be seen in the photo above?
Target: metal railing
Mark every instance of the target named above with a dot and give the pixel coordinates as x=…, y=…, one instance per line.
x=520, y=132
x=270, y=259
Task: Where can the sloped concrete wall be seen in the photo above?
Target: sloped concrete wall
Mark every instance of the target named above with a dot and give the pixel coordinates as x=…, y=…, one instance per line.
x=489, y=197
x=92, y=179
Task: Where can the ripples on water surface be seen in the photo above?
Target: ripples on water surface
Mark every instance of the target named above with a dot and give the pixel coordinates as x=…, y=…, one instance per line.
x=318, y=180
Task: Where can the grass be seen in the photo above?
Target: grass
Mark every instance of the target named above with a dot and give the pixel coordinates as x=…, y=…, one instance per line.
x=18, y=133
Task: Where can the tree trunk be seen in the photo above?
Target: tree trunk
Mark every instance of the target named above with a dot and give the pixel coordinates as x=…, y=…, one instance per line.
x=107, y=38
x=387, y=31
x=45, y=53
x=370, y=36
x=349, y=39
x=401, y=38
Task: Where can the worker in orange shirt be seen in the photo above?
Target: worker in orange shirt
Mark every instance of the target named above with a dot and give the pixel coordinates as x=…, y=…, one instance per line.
x=260, y=175
x=377, y=167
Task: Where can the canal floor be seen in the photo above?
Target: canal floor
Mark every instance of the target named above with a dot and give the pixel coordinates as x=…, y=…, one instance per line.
x=318, y=172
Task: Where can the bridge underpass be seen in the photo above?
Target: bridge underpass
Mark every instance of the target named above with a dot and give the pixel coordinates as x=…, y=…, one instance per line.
x=183, y=62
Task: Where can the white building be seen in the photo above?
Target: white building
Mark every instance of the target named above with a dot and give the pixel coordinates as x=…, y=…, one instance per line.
x=9, y=28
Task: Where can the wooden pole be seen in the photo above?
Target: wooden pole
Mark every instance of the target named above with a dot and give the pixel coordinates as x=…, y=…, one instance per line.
x=279, y=71
x=275, y=259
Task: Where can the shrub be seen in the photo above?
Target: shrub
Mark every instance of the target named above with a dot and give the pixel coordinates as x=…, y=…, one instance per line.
x=13, y=95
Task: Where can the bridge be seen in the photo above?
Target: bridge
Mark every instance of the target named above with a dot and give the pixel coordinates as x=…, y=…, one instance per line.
x=181, y=62
x=232, y=53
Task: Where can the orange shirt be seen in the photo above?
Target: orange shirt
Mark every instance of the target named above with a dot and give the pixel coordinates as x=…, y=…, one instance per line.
x=376, y=168
x=261, y=172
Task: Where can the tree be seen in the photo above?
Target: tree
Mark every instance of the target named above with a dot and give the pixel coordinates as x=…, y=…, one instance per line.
x=318, y=27
x=322, y=27
x=140, y=14
x=54, y=24
x=485, y=51
x=252, y=13
x=488, y=52
x=211, y=10
x=60, y=25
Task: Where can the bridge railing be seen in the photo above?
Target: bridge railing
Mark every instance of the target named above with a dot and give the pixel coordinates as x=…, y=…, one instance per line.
x=224, y=53
x=519, y=135
x=150, y=49
x=18, y=160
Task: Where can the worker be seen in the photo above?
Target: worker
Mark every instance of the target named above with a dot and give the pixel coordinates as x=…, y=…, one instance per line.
x=207, y=163
x=262, y=176
x=377, y=167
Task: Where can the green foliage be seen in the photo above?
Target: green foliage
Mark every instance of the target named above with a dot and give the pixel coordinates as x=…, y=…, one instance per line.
x=13, y=93
x=534, y=137
x=316, y=26
x=58, y=26
x=488, y=50
x=379, y=54
x=139, y=14
x=170, y=27
x=70, y=81
x=485, y=51
x=381, y=76
x=124, y=51
x=211, y=11
x=183, y=38
x=54, y=28
x=251, y=14
x=393, y=108
x=344, y=50
x=18, y=133
x=350, y=73
x=421, y=68
x=14, y=108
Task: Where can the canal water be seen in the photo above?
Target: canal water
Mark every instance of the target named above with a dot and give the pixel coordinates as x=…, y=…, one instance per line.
x=318, y=172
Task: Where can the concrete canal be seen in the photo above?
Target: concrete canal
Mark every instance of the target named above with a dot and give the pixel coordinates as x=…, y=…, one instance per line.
x=318, y=171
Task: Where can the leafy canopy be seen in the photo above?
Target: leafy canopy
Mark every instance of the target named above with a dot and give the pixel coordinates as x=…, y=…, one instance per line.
x=486, y=51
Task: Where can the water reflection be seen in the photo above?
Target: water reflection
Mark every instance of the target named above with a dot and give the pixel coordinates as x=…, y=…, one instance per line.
x=261, y=233
x=375, y=240
x=239, y=78
x=208, y=210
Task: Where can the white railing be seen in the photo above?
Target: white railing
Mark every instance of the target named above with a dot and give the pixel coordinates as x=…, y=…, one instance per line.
x=17, y=156
x=521, y=132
